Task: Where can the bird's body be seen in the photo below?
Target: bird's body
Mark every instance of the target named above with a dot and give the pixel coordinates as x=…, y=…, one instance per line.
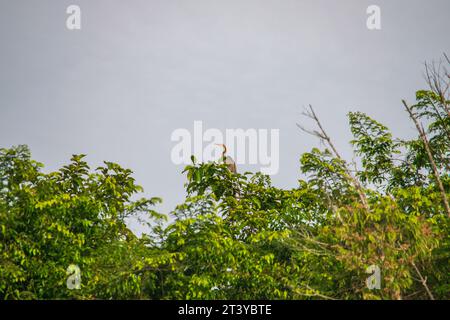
x=231, y=165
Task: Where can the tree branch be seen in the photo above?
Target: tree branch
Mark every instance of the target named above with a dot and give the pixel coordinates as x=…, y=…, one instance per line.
x=325, y=137
x=423, y=136
x=423, y=281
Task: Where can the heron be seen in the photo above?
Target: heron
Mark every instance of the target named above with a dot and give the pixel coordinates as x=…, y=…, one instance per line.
x=231, y=164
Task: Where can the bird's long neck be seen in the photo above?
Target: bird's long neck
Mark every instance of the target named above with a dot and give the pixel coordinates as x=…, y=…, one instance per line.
x=224, y=150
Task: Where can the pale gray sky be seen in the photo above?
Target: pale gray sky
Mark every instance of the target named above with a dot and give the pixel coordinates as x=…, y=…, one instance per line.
x=137, y=70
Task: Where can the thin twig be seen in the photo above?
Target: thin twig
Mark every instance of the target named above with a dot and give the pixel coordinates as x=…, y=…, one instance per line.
x=325, y=137
x=423, y=281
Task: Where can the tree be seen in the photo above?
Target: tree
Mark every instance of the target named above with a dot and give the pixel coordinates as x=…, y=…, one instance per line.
x=71, y=216
x=236, y=236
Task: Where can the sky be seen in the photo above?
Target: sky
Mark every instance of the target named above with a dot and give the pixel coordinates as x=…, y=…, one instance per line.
x=137, y=70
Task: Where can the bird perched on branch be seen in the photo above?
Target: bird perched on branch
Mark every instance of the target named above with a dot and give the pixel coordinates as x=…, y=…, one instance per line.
x=231, y=165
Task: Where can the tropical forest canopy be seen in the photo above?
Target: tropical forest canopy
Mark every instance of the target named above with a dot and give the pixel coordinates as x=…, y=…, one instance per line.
x=236, y=236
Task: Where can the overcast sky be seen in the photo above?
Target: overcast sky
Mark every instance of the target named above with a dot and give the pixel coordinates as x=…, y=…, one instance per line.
x=138, y=70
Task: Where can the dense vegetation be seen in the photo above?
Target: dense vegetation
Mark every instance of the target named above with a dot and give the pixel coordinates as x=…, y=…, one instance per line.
x=236, y=236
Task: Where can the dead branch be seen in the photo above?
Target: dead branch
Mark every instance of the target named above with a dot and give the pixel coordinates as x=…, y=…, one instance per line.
x=423, y=136
x=326, y=138
x=423, y=281
x=437, y=78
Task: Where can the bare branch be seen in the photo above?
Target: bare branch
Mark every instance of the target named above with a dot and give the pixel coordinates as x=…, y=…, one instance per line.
x=446, y=58
x=423, y=281
x=438, y=79
x=423, y=136
x=326, y=138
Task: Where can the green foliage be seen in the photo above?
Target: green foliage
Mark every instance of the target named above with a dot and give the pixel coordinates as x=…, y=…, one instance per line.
x=72, y=216
x=236, y=236
x=374, y=144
